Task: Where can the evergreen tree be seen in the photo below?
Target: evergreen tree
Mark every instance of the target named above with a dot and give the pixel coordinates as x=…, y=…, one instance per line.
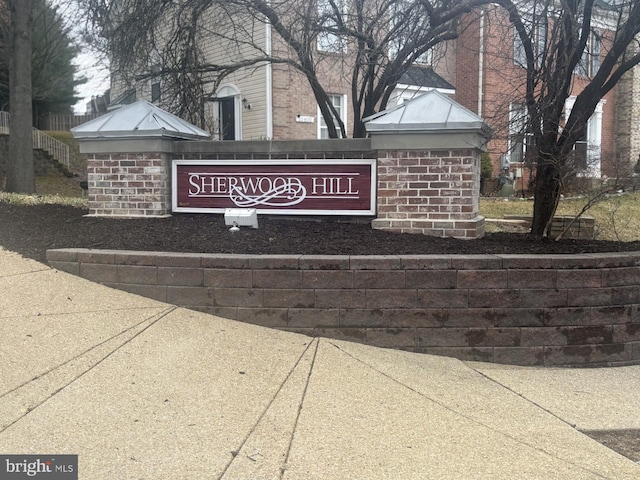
x=53, y=72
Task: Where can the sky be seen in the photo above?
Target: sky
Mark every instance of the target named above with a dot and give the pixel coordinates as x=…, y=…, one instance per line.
x=98, y=80
x=87, y=61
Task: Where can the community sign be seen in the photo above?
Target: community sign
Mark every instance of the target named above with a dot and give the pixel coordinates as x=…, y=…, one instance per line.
x=287, y=187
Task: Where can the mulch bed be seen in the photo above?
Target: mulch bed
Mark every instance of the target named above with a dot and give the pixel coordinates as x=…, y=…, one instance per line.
x=31, y=230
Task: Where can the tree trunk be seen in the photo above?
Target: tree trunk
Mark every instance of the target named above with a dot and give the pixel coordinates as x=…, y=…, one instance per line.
x=20, y=172
x=359, y=130
x=547, y=195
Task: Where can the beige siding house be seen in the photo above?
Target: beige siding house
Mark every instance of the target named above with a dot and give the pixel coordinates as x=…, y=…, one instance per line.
x=275, y=101
x=239, y=108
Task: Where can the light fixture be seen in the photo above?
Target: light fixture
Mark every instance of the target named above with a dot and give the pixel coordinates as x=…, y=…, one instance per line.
x=240, y=217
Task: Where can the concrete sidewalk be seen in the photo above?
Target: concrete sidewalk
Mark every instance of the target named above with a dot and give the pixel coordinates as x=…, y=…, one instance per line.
x=143, y=390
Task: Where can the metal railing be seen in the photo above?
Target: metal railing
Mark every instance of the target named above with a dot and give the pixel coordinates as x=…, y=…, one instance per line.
x=4, y=123
x=58, y=150
x=63, y=122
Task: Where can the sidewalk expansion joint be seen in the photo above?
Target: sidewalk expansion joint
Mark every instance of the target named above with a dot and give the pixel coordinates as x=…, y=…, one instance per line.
x=468, y=417
x=296, y=365
x=528, y=400
x=21, y=274
x=300, y=406
x=151, y=321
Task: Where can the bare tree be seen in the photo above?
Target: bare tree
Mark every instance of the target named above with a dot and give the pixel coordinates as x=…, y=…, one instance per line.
x=389, y=39
x=20, y=172
x=578, y=48
x=567, y=48
x=375, y=43
x=166, y=41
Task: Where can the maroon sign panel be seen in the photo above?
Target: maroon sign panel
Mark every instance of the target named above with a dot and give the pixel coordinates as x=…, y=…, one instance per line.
x=296, y=187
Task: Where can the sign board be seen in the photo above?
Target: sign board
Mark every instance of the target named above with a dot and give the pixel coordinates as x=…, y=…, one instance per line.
x=281, y=187
x=305, y=119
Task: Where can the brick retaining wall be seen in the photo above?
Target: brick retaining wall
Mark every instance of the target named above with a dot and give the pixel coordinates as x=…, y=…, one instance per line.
x=515, y=309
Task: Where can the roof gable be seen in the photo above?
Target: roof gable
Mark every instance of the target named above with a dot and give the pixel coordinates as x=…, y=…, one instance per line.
x=424, y=77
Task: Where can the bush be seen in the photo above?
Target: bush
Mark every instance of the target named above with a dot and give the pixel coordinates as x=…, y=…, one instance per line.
x=486, y=166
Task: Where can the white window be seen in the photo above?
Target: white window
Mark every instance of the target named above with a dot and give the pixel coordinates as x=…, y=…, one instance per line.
x=519, y=55
x=402, y=33
x=339, y=102
x=588, y=148
x=517, y=132
x=590, y=60
x=424, y=59
x=155, y=80
x=537, y=33
x=328, y=40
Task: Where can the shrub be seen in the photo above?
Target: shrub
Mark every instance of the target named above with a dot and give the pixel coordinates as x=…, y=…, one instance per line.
x=486, y=166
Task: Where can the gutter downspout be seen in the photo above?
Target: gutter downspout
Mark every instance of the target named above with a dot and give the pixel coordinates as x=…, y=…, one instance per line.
x=481, y=65
x=269, y=83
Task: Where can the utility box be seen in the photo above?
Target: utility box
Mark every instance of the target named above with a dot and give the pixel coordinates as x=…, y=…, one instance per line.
x=241, y=217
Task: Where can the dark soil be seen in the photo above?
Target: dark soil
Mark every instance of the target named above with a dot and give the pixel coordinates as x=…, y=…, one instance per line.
x=625, y=442
x=31, y=230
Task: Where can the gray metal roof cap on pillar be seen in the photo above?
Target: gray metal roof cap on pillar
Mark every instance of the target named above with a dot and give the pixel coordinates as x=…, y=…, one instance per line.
x=138, y=120
x=430, y=112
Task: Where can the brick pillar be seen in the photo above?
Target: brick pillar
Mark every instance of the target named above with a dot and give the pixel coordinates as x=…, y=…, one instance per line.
x=429, y=167
x=129, y=184
x=129, y=153
x=433, y=192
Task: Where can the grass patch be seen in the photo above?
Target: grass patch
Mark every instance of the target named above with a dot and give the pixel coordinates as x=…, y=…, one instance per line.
x=21, y=199
x=59, y=185
x=56, y=185
x=617, y=216
x=53, y=189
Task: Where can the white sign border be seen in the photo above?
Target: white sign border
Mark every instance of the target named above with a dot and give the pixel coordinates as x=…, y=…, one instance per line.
x=372, y=162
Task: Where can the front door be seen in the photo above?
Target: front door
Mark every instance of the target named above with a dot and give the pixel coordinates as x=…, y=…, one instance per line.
x=227, y=118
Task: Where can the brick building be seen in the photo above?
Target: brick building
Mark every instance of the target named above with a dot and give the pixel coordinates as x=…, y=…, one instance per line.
x=480, y=70
x=274, y=100
x=489, y=80
x=627, y=126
